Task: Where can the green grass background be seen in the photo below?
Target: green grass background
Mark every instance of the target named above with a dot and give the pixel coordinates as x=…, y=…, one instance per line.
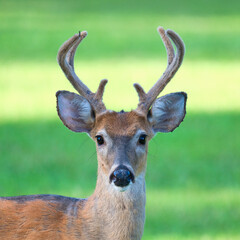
x=193, y=175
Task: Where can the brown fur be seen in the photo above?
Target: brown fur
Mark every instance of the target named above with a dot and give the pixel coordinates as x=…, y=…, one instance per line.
x=121, y=127
x=38, y=219
x=121, y=124
x=107, y=214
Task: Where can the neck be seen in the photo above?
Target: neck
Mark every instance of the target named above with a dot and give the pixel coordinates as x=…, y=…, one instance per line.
x=118, y=215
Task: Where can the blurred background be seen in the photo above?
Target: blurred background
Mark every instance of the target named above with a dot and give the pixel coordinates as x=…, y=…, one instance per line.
x=193, y=175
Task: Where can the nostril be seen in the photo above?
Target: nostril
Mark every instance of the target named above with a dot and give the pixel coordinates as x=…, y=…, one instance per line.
x=116, y=173
x=127, y=173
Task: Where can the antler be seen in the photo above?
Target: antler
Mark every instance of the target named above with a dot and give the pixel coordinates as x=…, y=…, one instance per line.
x=65, y=59
x=174, y=62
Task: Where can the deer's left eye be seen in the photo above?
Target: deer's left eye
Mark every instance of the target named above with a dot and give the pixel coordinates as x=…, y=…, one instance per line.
x=142, y=139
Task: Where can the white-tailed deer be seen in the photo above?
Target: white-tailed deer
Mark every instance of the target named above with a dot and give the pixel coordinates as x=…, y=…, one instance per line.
x=116, y=210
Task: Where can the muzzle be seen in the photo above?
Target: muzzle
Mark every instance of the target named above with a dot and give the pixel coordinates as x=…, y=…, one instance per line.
x=121, y=176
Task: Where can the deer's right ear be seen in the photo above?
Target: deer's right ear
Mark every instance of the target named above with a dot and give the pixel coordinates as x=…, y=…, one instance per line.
x=75, y=111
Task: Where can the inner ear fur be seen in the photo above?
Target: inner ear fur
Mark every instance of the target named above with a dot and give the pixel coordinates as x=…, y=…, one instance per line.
x=168, y=112
x=75, y=111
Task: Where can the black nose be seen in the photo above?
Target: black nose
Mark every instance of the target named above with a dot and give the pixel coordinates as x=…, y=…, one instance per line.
x=121, y=176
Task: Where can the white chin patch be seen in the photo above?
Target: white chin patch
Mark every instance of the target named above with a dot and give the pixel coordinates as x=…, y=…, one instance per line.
x=121, y=189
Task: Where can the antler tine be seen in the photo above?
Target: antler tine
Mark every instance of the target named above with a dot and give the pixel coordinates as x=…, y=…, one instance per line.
x=100, y=90
x=174, y=62
x=140, y=91
x=179, y=45
x=168, y=45
x=65, y=58
x=71, y=53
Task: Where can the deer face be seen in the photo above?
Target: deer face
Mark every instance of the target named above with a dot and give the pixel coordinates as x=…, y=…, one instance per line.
x=122, y=144
x=121, y=138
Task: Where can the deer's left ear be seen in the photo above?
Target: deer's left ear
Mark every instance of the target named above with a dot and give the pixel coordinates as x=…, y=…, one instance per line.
x=168, y=112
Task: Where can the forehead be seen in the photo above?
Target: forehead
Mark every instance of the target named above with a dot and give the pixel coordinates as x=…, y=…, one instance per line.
x=121, y=124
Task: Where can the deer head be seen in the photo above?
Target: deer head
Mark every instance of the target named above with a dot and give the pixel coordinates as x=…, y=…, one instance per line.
x=121, y=137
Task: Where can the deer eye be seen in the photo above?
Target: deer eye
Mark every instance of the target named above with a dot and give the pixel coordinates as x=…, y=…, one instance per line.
x=142, y=139
x=100, y=140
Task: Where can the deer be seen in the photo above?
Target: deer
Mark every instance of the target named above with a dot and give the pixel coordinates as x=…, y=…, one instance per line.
x=116, y=209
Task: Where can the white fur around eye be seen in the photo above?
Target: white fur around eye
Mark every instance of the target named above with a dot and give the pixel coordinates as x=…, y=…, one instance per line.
x=103, y=149
x=140, y=149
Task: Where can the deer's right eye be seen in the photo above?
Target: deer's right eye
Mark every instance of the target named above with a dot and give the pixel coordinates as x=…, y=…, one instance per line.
x=100, y=140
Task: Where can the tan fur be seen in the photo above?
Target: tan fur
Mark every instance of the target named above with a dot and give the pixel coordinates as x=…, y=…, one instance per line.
x=123, y=124
x=107, y=214
x=31, y=220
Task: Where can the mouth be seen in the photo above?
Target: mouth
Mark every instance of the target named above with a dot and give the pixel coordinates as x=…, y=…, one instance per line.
x=121, y=189
x=122, y=177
